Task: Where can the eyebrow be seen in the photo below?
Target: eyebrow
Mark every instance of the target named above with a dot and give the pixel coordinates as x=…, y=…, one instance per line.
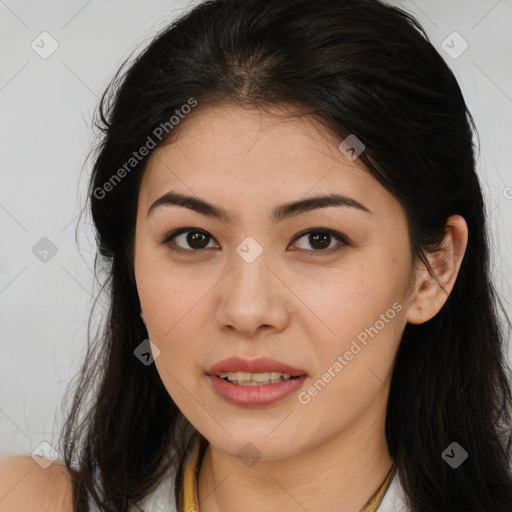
x=279, y=213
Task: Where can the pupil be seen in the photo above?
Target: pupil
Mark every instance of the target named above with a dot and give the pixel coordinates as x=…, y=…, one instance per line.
x=194, y=237
x=316, y=237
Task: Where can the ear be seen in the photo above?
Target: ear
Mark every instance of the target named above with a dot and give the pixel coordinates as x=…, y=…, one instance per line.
x=428, y=297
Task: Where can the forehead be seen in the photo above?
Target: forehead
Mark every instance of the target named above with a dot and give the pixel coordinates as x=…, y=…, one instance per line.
x=236, y=154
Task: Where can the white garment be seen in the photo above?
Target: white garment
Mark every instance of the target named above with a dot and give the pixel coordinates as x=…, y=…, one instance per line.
x=162, y=499
x=394, y=499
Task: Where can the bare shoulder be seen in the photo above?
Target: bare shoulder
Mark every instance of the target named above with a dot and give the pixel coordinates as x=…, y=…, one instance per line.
x=26, y=486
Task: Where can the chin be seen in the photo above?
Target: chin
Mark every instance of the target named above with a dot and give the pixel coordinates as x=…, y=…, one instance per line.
x=255, y=446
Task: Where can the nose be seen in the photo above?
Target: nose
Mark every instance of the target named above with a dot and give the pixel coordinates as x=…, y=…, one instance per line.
x=253, y=298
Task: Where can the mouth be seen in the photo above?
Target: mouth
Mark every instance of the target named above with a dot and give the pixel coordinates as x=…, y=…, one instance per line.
x=255, y=379
x=255, y=383
x=255, y=372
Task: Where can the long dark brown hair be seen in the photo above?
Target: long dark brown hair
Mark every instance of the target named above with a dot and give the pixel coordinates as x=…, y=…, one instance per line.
x=364, y=68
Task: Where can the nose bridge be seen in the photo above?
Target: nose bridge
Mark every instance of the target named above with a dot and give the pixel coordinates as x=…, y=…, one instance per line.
x=250, y=272
x=249, y=250
x=252, y=296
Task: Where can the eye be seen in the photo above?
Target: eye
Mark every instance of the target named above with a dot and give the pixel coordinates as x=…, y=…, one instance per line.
x=321, y=240
x=197, y=239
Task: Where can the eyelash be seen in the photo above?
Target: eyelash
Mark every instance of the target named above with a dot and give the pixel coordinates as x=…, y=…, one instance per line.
x=321, y=252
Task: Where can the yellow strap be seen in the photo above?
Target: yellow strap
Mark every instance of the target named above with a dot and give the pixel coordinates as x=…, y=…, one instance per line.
x=190, y=499
x=375, y=501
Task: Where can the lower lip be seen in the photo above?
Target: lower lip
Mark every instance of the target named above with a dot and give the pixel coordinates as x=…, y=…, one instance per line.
x=254, y=396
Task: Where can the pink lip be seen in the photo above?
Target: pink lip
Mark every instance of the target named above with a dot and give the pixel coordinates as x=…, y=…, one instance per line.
x=254, y=396
x=261, y=365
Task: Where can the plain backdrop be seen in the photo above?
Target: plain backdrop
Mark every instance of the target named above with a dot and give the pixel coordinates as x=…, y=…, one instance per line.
x=47, y=102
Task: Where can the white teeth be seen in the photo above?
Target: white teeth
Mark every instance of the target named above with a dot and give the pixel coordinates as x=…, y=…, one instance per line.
x=254, y=379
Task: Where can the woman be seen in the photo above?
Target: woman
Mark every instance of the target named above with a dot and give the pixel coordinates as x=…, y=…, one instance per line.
x=286, y=201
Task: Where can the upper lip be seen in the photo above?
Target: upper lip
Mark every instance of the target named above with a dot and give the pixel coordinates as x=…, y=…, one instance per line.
x=261, y=365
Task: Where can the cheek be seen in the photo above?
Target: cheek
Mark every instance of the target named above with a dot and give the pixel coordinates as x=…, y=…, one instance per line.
x=169, y=293
x=175, y=304
x=174, y=311
x=355, y=312
x=352, y=366
x=174, y=323
x=345, y=300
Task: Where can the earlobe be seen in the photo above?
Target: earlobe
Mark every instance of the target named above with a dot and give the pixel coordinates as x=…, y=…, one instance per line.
x=142, y=315
x=432, y=291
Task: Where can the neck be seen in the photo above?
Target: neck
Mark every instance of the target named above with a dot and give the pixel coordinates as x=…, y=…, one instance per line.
x=348, y=468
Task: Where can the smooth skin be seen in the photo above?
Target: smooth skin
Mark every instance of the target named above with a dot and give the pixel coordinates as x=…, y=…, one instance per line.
x=294, y=303
x=25, y=486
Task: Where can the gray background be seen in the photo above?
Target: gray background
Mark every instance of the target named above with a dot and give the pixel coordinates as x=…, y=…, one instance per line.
x=46, y=111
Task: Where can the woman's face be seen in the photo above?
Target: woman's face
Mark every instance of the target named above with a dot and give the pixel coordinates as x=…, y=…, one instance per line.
x=264, y=279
